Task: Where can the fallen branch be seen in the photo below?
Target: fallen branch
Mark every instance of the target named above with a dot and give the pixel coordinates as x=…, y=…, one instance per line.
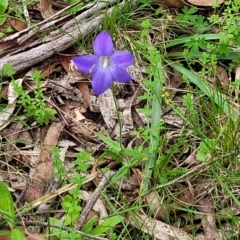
x=57, y=41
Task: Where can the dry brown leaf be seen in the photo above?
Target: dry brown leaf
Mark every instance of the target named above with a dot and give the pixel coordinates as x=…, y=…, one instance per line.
x=182, y=3
x=223, y=77
x=155, y=228
x=65, y=59
x=53, y=67
x=137, y=120
x=186, y=194
x=208, y=221
x=175, y=81
x=98, y=207
x=85, y=130
x=174, y=119
x=6, y=114
x=30, y=236
x=83, y=87
x=31, y=194
x=17, y=24
x=154, y=201
x=128, y=184
x=237, y=75
x=108, y=108
x=205, y=3
x=11, y=135
x=46, y=8
x=44, y=170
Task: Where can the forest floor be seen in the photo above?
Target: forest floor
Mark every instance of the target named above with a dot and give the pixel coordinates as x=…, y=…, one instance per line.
x=156, y=157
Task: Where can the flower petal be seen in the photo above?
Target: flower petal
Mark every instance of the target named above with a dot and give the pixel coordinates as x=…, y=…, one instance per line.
x=122, y=59
x=103, y=44
x=120, y=75
x=84, y=63
x=101, y=81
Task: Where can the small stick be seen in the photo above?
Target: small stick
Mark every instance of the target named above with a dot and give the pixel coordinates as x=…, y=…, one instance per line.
x=104, y=182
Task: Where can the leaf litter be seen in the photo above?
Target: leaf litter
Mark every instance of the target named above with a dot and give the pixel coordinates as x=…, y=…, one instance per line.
x=25, y=146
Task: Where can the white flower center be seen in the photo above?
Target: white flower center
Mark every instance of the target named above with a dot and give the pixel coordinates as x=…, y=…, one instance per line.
x=105, y=61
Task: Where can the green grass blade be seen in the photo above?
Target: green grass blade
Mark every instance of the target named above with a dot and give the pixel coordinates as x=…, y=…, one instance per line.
x=231, y=56
x=183, y=40
x=155, y=123
x=219, y=98
x=6, y=204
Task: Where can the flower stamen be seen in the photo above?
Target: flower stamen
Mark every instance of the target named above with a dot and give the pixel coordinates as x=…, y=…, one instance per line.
x=105, y=61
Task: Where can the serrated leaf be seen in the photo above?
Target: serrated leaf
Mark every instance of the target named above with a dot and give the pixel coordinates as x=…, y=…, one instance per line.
x=6, y=205
x=108, y=224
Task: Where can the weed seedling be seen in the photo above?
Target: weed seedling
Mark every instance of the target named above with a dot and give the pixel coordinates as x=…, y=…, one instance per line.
x=34, y=106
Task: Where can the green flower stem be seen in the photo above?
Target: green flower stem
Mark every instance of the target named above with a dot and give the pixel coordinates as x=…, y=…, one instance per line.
x=118, y=116
x=156, y=114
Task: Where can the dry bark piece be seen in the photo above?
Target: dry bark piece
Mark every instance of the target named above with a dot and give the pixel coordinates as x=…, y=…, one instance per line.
x=57, y=41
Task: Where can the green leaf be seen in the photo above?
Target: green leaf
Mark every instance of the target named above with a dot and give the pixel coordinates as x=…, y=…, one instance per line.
x=183, y=40
x=4, y=233
x=111, y=144
x=2, y=19
x=3, y=6
x=16, y=234
x=230, y=56
x=87, y=228
x=60, y=233
x=189, y=11
x=122, y=172
x=220, y=99
x=206, y=147
x=6, y=205
x=108, y=224
x=115, y=156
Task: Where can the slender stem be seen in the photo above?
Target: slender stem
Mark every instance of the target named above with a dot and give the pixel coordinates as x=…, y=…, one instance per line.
x=118, y=116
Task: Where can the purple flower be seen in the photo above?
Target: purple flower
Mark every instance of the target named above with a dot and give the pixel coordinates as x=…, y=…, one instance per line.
x=105, y=65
